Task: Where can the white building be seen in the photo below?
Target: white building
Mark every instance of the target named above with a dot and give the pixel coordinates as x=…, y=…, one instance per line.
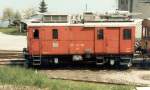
x=136, y=6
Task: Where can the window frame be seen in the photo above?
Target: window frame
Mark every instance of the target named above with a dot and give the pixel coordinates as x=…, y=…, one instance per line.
x=100, y=34
x=55, y=34
x=127, y=34
x=36, y=34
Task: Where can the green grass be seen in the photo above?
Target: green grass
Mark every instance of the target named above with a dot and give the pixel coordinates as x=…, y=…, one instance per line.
x=11, y=31
x=19, y=76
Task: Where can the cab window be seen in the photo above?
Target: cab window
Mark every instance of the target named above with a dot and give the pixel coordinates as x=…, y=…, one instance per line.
x=55, y=33
x=127, y=34
x=36, y=34
x=100, y=34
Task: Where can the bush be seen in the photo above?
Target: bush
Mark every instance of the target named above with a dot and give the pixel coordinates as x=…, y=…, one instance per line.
x=12, y=31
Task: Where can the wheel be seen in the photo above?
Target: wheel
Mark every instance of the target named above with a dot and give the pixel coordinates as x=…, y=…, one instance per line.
x=125, y=63
x=128, y=65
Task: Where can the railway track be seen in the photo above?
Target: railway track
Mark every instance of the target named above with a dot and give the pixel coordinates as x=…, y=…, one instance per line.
x=98, y=82
x=11, y=57
x=16, y=58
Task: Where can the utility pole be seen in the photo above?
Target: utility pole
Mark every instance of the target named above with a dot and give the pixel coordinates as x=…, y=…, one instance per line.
x=86, y=7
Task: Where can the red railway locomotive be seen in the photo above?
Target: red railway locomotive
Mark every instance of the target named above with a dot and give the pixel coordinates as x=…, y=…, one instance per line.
x=62, y=37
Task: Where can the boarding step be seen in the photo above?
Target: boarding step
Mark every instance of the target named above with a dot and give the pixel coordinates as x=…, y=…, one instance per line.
x=36, y=56
x=99, y=63
x=36, y=62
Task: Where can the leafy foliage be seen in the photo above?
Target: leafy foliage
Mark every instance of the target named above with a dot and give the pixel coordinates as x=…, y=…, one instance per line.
x=12, y=31
x=27, y=13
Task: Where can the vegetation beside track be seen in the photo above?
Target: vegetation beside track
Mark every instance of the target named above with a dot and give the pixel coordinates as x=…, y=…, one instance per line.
x=18, y=76
x=12, y=31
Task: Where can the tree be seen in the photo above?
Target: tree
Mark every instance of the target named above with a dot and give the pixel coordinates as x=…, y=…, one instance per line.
x=17, y=19
x=28, y=13
x=8, y=14
x=17, y=16
x=43, y=7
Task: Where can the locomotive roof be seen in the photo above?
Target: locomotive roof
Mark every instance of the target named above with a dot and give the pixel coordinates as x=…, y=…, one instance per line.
x=87, y=19
x=91, y=24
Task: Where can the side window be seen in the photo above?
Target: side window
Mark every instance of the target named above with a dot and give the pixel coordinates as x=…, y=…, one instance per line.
x=55, y=33
x=36, y=34
x=127, y=34
x=100, y=34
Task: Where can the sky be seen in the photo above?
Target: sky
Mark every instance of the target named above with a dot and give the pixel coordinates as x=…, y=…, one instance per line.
x=70, y=6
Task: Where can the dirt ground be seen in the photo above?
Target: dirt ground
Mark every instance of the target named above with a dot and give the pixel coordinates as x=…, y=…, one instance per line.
x=131, y=76
x=12, y=42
